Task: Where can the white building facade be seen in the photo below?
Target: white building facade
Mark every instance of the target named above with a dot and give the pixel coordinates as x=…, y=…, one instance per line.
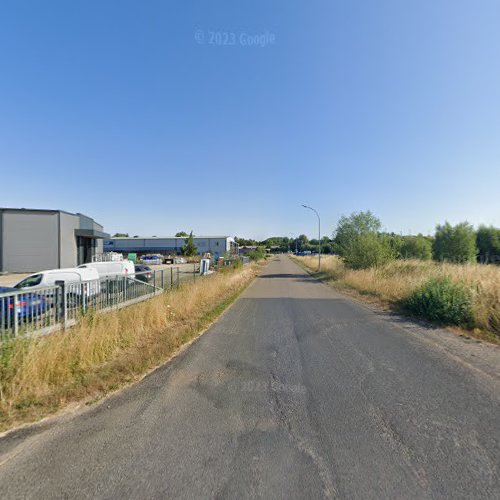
x=216, y=245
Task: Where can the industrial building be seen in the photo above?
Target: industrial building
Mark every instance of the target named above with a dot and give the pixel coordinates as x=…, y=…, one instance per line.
x=32, y=240
x=216, y=245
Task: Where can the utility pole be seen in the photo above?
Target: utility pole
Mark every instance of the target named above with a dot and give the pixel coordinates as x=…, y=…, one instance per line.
x=319, y=235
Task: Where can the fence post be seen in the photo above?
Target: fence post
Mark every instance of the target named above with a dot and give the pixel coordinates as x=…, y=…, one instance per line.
x=194, y=271
x=16, y=313
x=171, y=277
x=177, y=277
x=125, y=288
x=63, y=304
x=84, y=296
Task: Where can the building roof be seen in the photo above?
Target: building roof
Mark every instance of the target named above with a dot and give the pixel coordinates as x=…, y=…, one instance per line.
x=49, y=210
x=165, y=237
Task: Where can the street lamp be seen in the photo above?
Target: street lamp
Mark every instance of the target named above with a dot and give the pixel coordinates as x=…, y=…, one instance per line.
x=319, y=235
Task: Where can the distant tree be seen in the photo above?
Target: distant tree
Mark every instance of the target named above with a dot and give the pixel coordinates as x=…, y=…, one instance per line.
x=181, y=234
x=326, y=248
x=394, y=241
x=303, y=243
x=136, y=236
x=455, y=243
x=488, y=244
x=245, y=242
x=416, y=247
x=189, y=249
x=120, y=235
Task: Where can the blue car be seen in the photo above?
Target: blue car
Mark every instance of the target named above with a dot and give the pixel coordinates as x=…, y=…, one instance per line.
x=29, y=305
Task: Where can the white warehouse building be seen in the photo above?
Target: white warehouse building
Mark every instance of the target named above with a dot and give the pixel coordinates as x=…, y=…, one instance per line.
x=216, y=245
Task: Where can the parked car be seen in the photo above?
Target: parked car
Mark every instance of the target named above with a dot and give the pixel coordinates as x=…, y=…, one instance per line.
x=111, y=269
x=73, y=277
x=143, y=273
x=29, y=305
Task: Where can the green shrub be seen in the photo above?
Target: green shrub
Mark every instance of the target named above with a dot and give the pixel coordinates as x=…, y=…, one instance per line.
x=455, y=243
x=488, y=244
x=443, y=301
x=258, y=254
x=416, y=247
x=237, y=263
x=368, y=250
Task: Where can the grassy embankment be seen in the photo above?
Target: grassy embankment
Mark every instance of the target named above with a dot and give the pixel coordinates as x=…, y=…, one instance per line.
x=393, y=283
x=41, y=375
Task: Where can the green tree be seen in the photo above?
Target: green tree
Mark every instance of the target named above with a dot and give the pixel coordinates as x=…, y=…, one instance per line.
x=416, y=247
x=303, y=243
x=488, y=244
x=120, y=235
x=395, y=242
x=189, y=249
x=181, y=234
x=357, y=240
x=455, y=243
x=245, y=242
x=326, y=248
x=350, y=227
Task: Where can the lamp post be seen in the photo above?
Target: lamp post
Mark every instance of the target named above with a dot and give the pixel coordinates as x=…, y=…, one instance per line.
x=319, y=235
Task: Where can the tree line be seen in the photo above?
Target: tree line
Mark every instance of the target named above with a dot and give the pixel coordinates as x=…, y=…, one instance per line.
x=359, y=239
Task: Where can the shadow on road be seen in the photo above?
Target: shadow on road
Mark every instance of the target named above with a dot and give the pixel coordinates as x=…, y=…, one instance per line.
x=282, y=276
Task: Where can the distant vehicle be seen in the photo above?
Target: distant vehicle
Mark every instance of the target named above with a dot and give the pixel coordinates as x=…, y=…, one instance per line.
x=70, y=276
x=111, y=269
x=29, y=305
x=152, y=259
x=146, y=273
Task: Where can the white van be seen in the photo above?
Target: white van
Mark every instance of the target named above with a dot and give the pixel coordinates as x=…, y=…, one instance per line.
x=71, y=276
x=112, y=269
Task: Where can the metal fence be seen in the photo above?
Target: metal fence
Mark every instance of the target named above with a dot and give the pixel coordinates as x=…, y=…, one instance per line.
x=47, y=309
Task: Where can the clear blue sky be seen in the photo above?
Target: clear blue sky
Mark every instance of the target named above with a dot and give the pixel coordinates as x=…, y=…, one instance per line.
x=125, y=111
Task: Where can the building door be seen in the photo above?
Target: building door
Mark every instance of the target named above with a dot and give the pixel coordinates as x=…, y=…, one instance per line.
x=85, y=250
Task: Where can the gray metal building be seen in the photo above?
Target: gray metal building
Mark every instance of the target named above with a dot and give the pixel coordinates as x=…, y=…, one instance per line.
x=33, y=240
x=216, y=245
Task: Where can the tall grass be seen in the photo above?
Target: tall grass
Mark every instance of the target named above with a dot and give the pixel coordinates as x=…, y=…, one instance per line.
x=40, y=375
x=395, y=281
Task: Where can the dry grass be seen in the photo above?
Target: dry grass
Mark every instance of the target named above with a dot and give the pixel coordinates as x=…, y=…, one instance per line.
x=103, y=352
x=396, y=280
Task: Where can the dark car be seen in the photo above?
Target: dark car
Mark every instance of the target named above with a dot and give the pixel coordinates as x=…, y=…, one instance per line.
x=143, y=273
x=29, y=305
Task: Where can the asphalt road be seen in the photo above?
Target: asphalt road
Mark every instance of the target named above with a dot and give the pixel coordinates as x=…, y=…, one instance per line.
x=296, y=392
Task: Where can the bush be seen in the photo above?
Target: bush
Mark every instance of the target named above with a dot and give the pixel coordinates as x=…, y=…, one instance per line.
x=368, y=250
x=416, y=247
x=258, y=254
x=357, y=240
x=455, y=243
x=439, y=299
x=488, y=244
